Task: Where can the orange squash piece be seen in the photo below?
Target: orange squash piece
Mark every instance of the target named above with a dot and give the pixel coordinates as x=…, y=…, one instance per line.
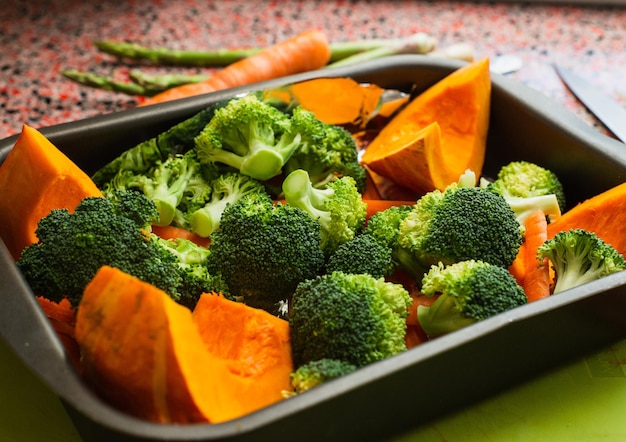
x=604, y=214
x=255, y=344
x=459, y=104
x=144, y=354
x=408, y=157
x=35, y=178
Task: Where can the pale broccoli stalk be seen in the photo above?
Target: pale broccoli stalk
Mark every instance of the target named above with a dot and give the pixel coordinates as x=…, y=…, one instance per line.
x=579, y=256
x=167, y=184
x=249, y=135
x=528, y=187
x=338, y=207
x=226, y=189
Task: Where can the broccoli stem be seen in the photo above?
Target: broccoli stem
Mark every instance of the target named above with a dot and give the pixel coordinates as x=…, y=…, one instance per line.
x=299, y=192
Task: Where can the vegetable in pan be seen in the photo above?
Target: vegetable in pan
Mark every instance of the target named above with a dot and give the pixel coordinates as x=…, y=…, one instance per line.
x=579, y=256
x=467, y=292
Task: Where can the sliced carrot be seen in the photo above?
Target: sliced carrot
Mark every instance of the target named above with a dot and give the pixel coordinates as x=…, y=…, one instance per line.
x=173, y=232
x=304, y=52
x=62, y=317
x=536, y=280
x=375, y=206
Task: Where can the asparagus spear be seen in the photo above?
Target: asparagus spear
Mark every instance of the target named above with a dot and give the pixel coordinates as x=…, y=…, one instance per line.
x=163, y=82
x=106, y=83
x=419, y=43
x=224, y=57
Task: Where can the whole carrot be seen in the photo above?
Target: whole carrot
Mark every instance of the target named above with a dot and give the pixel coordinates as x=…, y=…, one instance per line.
x=306, y=51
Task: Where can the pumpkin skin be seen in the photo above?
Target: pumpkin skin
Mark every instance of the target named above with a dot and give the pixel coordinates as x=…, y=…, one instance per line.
x=35, y=178
x=460, y=105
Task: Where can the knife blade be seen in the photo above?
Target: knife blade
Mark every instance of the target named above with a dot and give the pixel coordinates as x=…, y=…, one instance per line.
x=605, y=108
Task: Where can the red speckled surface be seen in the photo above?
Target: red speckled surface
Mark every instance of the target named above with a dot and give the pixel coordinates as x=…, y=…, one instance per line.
x=39, y=38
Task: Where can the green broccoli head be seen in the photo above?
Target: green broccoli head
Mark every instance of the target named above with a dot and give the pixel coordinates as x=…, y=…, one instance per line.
x=325, y=151
x=264, y=250
x=179, y=181
x=249, y=135
x=146, y=155
x=354, y=318
x=362, y=254
x=338, y=207
x=528, y=187
x=72, y=247
x=468, y=292
x=459, y=224
x=195, y=278
x=384, y=227
x=225, y=189
x=579, y=256
x=315, y=373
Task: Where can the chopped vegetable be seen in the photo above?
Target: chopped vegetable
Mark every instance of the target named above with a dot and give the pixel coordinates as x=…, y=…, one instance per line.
x=528, y=187
x=458, y=224
x=144, y=354
x=362, y=254
x=315, y=373
x=263, y=251
x=579, y=256
x=358, y=319
x=36, y=178
x=255, y=344
x=338, y=207
x=250, y=136
x=460, y=104
x=467, y=292
x=602, y=214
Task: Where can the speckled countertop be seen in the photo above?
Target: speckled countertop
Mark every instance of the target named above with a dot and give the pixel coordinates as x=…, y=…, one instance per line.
x=39, y=38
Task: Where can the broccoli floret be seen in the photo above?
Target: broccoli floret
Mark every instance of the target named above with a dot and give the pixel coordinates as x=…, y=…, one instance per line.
x=146, y=155
x=338, y=207
x=361, y=254
x=468, y=292
x=527, y=187
x=314, y=373
x=225, y=190
x=384, y=227
x=325, y=151
x=458, y=224
x=354, y=318
x=195, y=278
x=72, y=247
x=264, y=250
x=179, y=181
x=579, y=256
x=249, y=135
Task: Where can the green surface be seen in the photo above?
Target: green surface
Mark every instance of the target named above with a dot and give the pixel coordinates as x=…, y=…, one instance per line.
x=582, y=401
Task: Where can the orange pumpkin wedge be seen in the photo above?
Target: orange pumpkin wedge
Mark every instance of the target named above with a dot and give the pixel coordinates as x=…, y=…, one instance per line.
x=142, y=352
x=459, y=104
x=255, y=344
x=604, y=214
x=35, y=178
